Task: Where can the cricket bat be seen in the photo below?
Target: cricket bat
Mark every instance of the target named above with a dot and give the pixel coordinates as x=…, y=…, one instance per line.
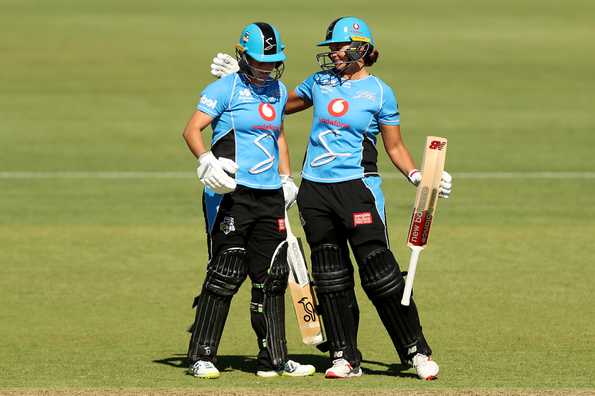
x=425, y=206
x=302, y=294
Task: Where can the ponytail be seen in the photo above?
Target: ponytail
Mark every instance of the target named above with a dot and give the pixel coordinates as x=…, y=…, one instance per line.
x=371, y=56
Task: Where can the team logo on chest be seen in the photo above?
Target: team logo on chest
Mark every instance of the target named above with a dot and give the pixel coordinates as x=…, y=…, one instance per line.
x=338, y=107
x=266, y=111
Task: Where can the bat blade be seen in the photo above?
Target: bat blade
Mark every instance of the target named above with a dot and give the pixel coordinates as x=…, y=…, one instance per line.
x=302, y=294
x=425, y=206
x=427, y=191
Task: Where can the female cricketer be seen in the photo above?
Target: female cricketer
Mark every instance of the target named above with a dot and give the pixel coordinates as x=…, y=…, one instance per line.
x=247, y=182
x=340, y=198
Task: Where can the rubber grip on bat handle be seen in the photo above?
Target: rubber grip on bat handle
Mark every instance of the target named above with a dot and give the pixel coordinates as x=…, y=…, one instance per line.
x=415, y=251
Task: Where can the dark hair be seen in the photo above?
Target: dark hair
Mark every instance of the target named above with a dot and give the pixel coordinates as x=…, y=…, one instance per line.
x=371, y=56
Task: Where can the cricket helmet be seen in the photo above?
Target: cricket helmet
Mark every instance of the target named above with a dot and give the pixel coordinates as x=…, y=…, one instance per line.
x=346, y=30
x=262, y=42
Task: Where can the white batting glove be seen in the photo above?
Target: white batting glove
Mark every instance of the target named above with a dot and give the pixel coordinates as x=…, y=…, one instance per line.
x=414, y=176
x=445, y=182
x=224, y=65
x=229, y=166
x=211, y=173
x=445, y=185
x=290, y=190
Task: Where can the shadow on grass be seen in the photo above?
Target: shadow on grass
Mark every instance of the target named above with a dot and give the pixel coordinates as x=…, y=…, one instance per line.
x=392, y=369
x=247, y=364
x=243, y=363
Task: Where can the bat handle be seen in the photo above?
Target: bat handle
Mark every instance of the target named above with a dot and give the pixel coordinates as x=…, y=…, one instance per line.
x=415, y=251
x=287, y=225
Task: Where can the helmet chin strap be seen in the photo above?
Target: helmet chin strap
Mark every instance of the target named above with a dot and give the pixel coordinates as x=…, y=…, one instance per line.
x=351, y=67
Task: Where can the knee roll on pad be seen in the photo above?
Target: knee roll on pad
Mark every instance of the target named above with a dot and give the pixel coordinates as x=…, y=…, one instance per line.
x=330, y=273
x=226, y=272
x=380, y=275
x=326, y=257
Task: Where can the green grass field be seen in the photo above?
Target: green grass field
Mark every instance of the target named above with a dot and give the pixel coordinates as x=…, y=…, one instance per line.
x=98, y=270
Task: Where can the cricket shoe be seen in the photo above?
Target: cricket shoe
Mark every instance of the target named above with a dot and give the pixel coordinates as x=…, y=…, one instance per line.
x=342, y=369
x=290, y=369
x=204, y=369
x=426, y=368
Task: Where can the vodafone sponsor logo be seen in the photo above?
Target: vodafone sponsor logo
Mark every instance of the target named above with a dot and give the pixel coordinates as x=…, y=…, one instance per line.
x=266, y=127
x=338, y=107
x=334, y=123
x=360, y=218
x=266, y=111
x=356, y=26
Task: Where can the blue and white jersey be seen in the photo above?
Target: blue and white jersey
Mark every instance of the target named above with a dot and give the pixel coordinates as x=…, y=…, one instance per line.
x=346, y=121
x=246, y=125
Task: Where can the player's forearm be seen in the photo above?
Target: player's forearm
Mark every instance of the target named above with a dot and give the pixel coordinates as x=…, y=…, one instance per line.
x=193, y=132
x=193, y=137
x=284, y=164
x=396, y=149
x=401, y=158
x=195, y=143
x=295, y=103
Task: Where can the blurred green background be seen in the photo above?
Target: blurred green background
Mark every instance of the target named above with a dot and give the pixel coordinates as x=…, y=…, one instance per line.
x=98, y=270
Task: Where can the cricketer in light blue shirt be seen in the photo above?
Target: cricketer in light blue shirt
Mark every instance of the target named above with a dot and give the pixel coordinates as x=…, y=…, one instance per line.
x=346, y=122
x=247, y=121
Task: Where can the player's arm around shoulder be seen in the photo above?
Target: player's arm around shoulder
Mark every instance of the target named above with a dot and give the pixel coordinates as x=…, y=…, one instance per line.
x=301, y=97
x=295, y=103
